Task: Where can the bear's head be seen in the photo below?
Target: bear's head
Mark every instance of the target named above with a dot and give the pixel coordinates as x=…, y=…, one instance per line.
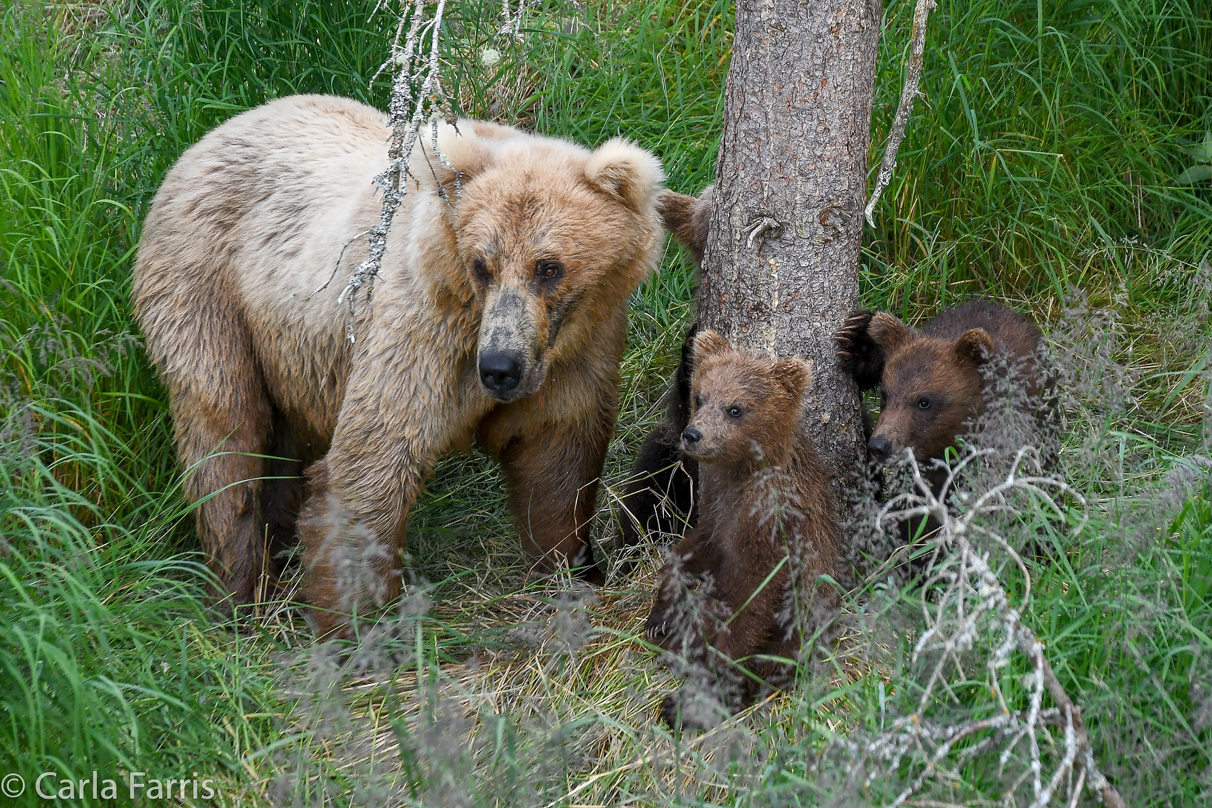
x=552, y=238
x=744, y=407
x=929, y=389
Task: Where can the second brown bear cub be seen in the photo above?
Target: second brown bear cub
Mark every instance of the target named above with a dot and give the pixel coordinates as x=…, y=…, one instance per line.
x=934, y=381
x=740, y=584
x=659, y=494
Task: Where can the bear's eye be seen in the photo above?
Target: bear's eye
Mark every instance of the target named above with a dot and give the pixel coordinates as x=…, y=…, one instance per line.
x=735, y=412
x=923, y=403
x=548, y=270
x=698, y=401
x=480, y=268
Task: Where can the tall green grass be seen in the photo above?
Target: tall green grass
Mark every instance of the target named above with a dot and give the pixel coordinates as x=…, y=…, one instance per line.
x=1042, y=157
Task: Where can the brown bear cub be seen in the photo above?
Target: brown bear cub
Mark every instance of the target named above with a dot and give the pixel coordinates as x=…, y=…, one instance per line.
x=659, y=493
x=737, y=591
x=934, y=381
x=936, y=384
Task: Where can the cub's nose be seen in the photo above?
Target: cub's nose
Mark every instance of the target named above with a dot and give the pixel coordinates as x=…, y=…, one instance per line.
x=691, y=436
x=500, y=372
x=879, y=448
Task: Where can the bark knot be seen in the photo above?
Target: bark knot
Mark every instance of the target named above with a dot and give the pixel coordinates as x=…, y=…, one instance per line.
x=764, y=228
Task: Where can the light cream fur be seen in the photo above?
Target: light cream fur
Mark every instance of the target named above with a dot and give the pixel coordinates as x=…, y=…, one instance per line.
x=249, y=225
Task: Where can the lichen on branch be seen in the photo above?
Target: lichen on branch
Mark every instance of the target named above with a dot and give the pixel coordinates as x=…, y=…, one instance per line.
x=418, y=101
x=913, y=77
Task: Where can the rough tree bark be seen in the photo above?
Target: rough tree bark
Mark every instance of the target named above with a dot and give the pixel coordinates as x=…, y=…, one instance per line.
x=780, y=270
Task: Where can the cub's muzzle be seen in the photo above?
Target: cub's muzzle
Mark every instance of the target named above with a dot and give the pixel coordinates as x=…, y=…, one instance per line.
x=691, y=437
x=879, y=449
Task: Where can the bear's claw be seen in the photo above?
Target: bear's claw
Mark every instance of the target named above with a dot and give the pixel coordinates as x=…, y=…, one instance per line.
x=857, y=352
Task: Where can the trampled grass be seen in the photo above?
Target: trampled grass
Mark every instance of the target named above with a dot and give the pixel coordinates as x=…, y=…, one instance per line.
x=1043, y=157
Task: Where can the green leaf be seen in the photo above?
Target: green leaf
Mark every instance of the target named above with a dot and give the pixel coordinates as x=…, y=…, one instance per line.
x=1195, y=174
x=1201, y=151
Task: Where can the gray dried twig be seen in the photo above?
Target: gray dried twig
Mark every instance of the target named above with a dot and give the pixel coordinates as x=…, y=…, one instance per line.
x=913, y=76
x=965, y=606
x=511, y=25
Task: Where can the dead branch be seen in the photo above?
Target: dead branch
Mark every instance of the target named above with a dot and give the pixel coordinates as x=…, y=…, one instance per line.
x=511, y=25
x=913, y=76
x=964, y=605
x=1098, y=783
x=416, y=96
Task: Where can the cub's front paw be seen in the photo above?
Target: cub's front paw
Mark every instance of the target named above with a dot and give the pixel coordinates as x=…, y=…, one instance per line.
x=857, y=352
x=656, y=630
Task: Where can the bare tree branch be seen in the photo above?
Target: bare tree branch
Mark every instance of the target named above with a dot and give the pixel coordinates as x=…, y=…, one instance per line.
x=913, y=76
x=1098, y=783
x=416, y=96
x=965, y=606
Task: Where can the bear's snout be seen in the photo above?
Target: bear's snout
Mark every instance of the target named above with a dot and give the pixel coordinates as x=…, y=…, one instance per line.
x=879, y=449
x=691, y=436
x=511, y=364
x=500, y=371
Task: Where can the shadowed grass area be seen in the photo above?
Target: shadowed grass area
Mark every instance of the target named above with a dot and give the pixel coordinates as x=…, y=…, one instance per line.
x=1044, y=156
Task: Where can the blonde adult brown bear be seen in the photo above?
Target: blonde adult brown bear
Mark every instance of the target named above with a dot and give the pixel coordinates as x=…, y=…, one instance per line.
x=499, y=315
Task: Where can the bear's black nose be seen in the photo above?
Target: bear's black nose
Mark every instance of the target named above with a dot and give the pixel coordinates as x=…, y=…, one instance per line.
x=500, y=372
x=879, y=448
x=691, y=436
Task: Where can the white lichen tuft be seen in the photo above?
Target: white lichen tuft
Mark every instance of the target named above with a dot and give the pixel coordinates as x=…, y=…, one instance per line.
x=490, y=57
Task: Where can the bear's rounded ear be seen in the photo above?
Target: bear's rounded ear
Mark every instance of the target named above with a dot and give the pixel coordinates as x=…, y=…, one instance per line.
x=974, y=345
x=622, y=169
x=888, y=332
x=688, y=218
x=708, y=344
x=466, y=146
x=795, y=375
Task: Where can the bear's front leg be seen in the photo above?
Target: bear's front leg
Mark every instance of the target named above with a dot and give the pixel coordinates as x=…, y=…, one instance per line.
x=674, y=622
x=553, y=484
x=354, y=521
x=352, y=544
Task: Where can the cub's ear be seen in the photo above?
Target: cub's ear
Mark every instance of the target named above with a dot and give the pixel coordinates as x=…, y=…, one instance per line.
x=622, y=169
x=975, y=346
x=795, y=375
x=708, y=344
x=687, y=218
x=888, y=332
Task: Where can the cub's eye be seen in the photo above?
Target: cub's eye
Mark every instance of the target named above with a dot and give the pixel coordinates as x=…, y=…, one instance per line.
x=734, y=412
x=480, y=268
x=923, y=403
x=548, y=270
x=698, y=401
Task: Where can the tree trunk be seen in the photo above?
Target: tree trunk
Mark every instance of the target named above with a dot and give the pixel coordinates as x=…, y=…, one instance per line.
x=781, y=267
